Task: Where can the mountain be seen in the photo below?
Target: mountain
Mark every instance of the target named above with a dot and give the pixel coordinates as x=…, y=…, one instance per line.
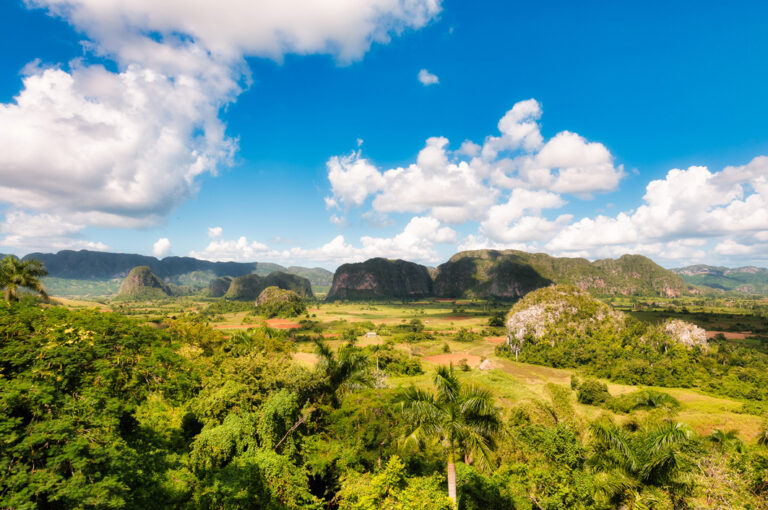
x=141, y=282
x=748, y=279
x=380, y=278
x=512, y=274
x=248, y=287
x=93, y=265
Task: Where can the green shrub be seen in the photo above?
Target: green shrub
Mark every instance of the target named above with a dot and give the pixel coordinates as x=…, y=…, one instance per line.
x=592, y=392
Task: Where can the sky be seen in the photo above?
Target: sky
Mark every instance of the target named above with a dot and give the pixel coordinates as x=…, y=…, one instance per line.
x=318, y=133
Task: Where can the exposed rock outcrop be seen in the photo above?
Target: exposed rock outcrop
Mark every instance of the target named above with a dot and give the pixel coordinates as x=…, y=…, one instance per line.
x=686, y=333
x=380, y=278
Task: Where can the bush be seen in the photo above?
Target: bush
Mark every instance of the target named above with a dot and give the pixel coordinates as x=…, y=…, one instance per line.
x=592, y=392
x=467, y=335
x=642, y=399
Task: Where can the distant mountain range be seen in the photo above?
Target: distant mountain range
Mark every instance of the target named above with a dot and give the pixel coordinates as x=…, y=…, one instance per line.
x=95, y=266
x=747, y=279
x=477, y=273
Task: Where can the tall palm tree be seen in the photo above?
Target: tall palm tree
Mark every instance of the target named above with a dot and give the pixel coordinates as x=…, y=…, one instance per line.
x=636, y=469
x=16, y=274
x=463, y=419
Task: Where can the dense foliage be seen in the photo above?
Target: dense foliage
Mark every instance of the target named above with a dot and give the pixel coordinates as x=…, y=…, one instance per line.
x=102, y=411
x=577, y=331
x=277, y=302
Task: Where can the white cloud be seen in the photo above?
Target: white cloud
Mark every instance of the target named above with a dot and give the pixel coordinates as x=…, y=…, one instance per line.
x=344, y=28
x=426, y=78
x=679, y=213
x=123, y=148
x=161, y=248
x=239, y=250
x=416, y=242
x=352, y=179
x=214, y=232
x=44, y=232
x=452, y=189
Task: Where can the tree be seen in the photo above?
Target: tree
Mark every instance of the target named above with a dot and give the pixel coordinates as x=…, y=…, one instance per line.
x=636, y=469
x=16, y=274
x=463, y=419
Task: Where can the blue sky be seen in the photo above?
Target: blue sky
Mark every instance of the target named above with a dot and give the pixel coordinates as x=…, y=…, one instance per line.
x=301, y=136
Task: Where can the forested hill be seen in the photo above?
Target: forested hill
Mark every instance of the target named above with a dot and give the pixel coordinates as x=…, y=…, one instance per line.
x=504, y=274
x=86, y=264
x=749, y=279
x=512, y=273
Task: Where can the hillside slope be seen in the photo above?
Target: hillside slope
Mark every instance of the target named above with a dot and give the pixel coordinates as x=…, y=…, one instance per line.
x=379, y=278
x=512, y=274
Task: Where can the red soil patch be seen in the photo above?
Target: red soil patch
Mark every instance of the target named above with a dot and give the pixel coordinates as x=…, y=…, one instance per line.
x=496, y=339
x=729, y=335
x=282, y=324
x=445, y=359
x=330, y=335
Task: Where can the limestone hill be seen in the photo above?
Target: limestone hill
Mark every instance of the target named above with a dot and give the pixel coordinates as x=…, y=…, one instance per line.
x=142, y=283
x=276, y=302
x=563, y=314
x=248, y=287
x=512, y=274
x=380, y=278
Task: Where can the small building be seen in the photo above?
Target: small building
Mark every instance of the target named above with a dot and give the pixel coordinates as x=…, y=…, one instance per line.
x=370, y=334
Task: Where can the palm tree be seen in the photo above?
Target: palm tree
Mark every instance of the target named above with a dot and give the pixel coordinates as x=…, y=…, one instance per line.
x=346, y=370
x=636, y=469
x=16, y=274
x=462, y=419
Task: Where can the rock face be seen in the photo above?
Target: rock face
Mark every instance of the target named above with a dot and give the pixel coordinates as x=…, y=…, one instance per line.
x=219, y=286
x=686, y=333
x=141, y=282
x=380, y=278
x=512, y=274
x=248, y=287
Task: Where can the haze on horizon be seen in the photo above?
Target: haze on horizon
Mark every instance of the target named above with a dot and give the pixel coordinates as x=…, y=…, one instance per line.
x=307, y=135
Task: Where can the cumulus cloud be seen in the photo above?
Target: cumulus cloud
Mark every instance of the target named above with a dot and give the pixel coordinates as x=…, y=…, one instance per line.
x=417, y=241
x=44, y=232
x=680, y=213
x=466, y=184
x=214, y=232
x=426, y=78
x=125, y=147
x=161, y=248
